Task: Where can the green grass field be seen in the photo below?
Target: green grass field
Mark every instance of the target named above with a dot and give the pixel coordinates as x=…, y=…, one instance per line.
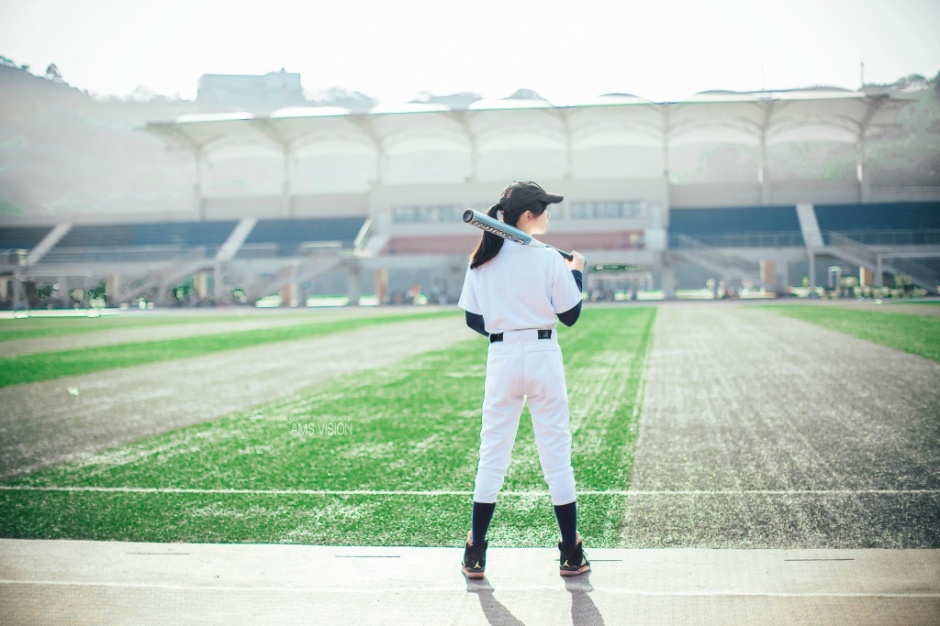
x=31, y=368
x=382, y=457
x=39, y=327
x=413, y=428
x=917, y=334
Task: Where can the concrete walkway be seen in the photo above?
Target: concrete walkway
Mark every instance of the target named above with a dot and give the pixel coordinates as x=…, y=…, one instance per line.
x=84, y=582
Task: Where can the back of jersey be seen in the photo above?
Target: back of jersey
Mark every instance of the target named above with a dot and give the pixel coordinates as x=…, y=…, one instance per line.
x=520, y=288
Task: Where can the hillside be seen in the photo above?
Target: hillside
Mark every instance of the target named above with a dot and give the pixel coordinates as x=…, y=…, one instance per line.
x=63, y=152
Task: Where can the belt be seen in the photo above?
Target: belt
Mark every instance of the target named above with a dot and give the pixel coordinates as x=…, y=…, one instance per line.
x=544, y=333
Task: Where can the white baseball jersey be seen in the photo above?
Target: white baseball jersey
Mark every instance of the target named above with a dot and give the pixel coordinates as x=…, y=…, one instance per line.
x=521, y=287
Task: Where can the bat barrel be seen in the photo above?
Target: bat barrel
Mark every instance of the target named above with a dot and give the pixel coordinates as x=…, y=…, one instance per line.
x=487, y=223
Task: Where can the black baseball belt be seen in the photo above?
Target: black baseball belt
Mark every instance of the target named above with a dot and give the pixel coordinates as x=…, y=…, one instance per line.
x=544, y=333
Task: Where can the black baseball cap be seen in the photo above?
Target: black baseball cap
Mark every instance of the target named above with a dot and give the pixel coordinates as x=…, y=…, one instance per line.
x=522, y=193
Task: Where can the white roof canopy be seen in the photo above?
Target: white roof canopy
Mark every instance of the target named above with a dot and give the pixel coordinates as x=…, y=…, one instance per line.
x=757, y=119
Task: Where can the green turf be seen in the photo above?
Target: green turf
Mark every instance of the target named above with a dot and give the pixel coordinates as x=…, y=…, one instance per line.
x=31, y=368
x=414, y=427
x=916, y=334
x=40, y=327
x=396, y=520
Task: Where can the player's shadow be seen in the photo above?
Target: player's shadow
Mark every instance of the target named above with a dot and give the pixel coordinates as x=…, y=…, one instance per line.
x=583, y=610
x=496, y=613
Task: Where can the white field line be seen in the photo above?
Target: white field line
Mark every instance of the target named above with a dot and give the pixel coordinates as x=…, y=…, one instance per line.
x=397, y=590
x=434, y=493
x=641, y=387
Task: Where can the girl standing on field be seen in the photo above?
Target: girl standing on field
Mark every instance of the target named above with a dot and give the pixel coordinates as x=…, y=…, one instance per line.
x=515, y=295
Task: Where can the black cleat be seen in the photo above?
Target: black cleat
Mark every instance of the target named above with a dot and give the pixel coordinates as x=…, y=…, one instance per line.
x=474, y=559
x=573, y=560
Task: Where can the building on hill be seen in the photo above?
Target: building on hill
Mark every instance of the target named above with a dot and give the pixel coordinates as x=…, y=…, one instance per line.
x=254, y=93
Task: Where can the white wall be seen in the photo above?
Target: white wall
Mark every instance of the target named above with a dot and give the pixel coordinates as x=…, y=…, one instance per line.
x=481, y=195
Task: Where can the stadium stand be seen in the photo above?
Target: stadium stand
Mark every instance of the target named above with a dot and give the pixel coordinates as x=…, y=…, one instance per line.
x=884, y=223
x=22, y=237
x=736, y=227
x=294, y=237
x=139, y=242
x=390, y=221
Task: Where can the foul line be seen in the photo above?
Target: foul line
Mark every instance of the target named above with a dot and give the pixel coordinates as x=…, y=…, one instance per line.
x=354, y=591
x=435, y=493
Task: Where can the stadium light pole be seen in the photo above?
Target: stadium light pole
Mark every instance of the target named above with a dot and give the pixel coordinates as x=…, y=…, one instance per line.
x=197, y=187
x=762, y=174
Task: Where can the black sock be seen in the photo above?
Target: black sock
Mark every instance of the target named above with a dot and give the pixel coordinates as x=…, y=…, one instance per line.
x=482, y=514
x=567, y=516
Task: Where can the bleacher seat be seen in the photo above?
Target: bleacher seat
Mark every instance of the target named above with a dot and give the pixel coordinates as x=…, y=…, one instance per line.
x=290, y=237
x=883, y=223
x=139, y=242
x=735, y=227
x=22, y=237
x=153, y=234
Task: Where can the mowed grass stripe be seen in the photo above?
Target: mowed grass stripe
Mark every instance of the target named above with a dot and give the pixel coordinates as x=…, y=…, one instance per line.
x=369, y=430
x=912, y=333
x=386, y=429
x=343, y=520
x=411, y=428
x=31, y=368
x=37, y=328
x=441, y=492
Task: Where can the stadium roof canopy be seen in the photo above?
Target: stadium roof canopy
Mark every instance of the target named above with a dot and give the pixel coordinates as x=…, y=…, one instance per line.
x=757, y=119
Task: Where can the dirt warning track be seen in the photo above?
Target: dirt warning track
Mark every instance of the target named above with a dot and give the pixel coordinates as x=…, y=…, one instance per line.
x=760, y=431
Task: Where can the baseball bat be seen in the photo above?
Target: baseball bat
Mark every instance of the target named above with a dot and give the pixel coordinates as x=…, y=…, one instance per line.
x=504, y=230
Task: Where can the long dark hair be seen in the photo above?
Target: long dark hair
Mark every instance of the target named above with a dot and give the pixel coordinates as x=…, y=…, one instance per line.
x=491, y=244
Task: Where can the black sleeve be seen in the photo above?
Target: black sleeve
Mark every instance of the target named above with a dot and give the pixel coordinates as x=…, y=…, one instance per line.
x=475, y=322
x=569, y=317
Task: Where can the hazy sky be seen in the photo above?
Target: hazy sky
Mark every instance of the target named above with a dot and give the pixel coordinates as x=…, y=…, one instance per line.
x=568, y=51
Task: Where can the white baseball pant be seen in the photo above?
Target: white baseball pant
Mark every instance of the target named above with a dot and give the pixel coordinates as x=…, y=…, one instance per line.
x=523, y=369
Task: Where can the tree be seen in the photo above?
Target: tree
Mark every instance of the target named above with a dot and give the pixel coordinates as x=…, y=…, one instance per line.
x=525, y=94
x=355, y=101
x=52, y=73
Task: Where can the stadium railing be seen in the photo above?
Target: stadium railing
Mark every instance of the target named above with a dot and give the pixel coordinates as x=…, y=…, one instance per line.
x=907, y=237
x=125, y=254
x=737, y=240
